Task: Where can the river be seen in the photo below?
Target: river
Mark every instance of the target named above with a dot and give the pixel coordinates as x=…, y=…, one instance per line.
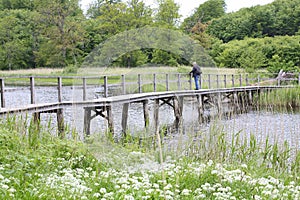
x=275, y=125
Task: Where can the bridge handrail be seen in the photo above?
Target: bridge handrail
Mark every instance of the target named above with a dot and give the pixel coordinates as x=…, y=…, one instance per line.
x=130, y=98
x=145, y=82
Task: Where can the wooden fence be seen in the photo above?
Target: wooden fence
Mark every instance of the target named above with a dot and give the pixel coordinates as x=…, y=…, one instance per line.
x=129, y=84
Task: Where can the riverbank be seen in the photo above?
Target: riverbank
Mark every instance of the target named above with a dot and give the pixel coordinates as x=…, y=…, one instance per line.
x=113, y=71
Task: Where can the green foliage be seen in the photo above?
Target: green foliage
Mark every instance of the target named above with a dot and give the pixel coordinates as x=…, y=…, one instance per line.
x=163, y=57
x=209, y=10
x=17, y=38
x=62, y=31
x=278, y=18
x=16, y=4
x=168, y=14
x=132, y=59
x=214, y=164
x=282, y=52
x=56, y=34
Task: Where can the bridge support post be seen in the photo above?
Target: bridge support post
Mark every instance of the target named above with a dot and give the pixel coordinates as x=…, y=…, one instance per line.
x=87, y=121
x=98, y=112
x=219, y=103
x=200, y=108
x=125, y=118
x=36, y=119
x=146, y=113
x=110, y=119
x=60, y=122
x=250, y=99
x=236, y=105
x=2, y=88
x=178, y=108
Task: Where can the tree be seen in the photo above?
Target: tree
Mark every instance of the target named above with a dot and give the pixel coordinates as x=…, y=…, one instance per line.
x=115, y=18
x=209, y=10
x=62, y=31
x=96, y=7
x=17, y=39
x=282, y=17
x=167, y=15
x=16, y=4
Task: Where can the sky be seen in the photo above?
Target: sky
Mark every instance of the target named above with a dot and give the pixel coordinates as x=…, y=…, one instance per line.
x=187, y=6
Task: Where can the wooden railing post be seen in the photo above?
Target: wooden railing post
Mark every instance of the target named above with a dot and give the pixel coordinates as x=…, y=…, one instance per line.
x=200, y=81
x=191, y=81
x=218, y=84
x=278, y=82
x=178, y=82
x=32, y=92
x=225, y=80
x=247, y=80
x=154, y=82
x=167, y=82
x=59, y=88
x=2, y=93
x=105, y=87
x=258, y=80
x=139, y=83
x=232, y=80
x=123, y=84
x=83, y=89
x=241, y=81
x=209, y=81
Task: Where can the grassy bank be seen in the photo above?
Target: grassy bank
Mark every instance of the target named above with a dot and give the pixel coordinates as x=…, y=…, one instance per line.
x=113, y=71
x=283, y=99
x=114, y=74
x=36, y=165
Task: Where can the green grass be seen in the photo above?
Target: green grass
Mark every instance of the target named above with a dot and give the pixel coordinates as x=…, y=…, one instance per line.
x=95, y=76
x=286, y=99
x=37, y=165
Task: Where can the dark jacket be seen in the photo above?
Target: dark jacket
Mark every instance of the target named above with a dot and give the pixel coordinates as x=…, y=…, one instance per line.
x=196, y=71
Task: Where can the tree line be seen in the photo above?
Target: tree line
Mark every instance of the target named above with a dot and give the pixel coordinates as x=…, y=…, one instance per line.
x=56, y=33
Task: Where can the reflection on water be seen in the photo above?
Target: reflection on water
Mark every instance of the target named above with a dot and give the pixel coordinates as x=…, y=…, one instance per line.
x=278, y=127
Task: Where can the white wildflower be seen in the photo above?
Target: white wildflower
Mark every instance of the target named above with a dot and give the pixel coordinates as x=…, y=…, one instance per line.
x=185, y=192
x=102, y=190
x=96, y=195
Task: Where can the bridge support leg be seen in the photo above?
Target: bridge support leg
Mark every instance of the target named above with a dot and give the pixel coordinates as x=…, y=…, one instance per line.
x=250, y=99
x=37, y=119
x=146, y=113
x=110, y=119
x=236, y=105
x=87, y=121
x=125, y=118
x=219, y=104
x=200, y=108
x=98, y=112
x=60, y=122
x=178, y=108
x=243, y=102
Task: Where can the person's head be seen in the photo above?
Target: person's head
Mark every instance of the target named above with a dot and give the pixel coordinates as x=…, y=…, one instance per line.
x=194, y=63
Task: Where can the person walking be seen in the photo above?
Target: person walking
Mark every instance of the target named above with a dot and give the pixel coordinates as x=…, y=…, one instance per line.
x=196, y=72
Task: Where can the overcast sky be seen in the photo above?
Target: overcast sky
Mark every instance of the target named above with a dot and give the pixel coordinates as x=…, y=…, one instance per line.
x=187, y=6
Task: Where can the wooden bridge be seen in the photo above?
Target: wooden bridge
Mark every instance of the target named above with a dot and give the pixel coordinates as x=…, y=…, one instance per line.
x=239, y=98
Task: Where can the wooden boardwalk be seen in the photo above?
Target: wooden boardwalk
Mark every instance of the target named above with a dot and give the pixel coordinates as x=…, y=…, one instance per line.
x=236, y=90
x=239, y=97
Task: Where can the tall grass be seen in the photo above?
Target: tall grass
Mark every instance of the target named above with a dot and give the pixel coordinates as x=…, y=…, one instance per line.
x=287, y=98
x=212, y=164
